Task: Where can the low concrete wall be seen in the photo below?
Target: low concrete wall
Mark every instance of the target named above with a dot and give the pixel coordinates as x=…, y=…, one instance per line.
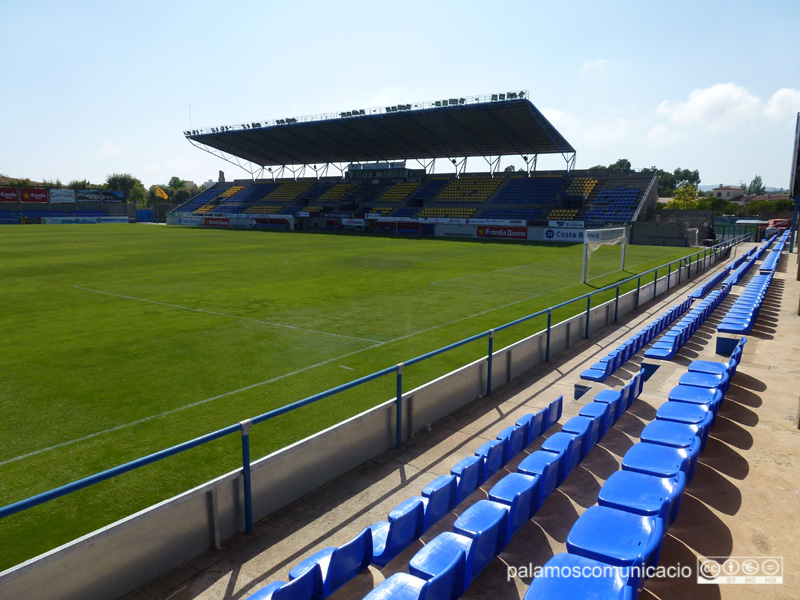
x=124, y=555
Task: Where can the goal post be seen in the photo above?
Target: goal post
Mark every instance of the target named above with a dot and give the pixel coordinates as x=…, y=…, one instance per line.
x=594, y=238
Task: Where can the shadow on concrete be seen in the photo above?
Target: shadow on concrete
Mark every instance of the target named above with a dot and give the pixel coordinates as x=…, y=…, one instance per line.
x=616, y=442
x=742, y=396
x=738, y=413
x=712, y=488
x=732, y=433
x=557, y=515
x=675, y=553
x=701, y=530
x=722, y=457
x=600, y=462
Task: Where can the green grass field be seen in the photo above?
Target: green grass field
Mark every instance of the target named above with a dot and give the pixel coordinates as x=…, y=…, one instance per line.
x=118, y=341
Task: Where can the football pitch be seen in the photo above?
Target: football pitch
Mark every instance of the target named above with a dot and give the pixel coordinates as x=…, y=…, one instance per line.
x=119, y=341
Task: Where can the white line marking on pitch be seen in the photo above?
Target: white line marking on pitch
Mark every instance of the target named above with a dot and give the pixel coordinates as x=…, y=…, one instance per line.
x=346, y=367
x=219, y=314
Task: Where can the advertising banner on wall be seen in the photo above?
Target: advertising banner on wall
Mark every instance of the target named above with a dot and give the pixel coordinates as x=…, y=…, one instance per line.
x=33, y=194
x=113, y=196
x=8, y=194
x=82, y=220
x=98, y=196
x=89, y=196
x=503, y=233
x=576, y=224
x=217, y=222
x=555, y=234
x=353, y=222
x=62, y=196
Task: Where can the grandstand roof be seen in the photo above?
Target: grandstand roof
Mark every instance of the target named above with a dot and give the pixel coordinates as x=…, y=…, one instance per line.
x=479, y=126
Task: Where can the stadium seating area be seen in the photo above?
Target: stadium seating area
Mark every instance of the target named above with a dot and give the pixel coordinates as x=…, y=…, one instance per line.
x=617, y=205
x=539, y=197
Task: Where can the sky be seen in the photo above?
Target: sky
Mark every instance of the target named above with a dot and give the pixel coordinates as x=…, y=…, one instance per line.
x=95, y=88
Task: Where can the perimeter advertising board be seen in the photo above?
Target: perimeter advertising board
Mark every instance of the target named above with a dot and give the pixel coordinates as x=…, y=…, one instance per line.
x=58, y=196
x=33, y=194
x=8, y=195
x=98, y=196
x=503, y=233
x=217, y=222
x=82, y=220
x=555, y=234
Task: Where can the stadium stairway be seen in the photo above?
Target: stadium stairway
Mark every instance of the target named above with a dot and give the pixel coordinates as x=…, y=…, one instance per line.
x=744, y=480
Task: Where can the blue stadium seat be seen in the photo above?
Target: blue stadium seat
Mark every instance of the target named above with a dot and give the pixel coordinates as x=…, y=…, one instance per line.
x=402, y=586
x=469, y=475
x=656, y=460
x=307, y=586
x=547, y=466
x=600, y=411
x=439, y=498
x=614, y=398
x=603, y=582
x=617, y=538
x=644, y=495
x=338, y=564
x=484, y=528
x=520, y=493
x=492, y=453
x=568, y=446
x=406, y=523
x=534, y=424
x=587, y=429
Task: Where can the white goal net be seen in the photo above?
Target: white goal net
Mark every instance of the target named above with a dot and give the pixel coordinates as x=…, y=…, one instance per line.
x=595, y=238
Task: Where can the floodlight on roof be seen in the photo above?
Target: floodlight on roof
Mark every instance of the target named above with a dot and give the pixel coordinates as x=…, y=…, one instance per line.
x=522, y=94
x=502, y=96
x=511, y=95
x=494, y=97
x=462, y=101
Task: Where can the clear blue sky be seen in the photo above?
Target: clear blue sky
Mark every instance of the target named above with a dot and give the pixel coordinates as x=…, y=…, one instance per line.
x=93, y=88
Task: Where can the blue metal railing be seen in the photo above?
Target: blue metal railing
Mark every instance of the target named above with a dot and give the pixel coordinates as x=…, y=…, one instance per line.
x=244, y=426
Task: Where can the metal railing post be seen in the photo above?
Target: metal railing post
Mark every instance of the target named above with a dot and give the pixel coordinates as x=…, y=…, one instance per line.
x=638, y=288
x=669, y=276
x=248, y=496
x=547, y=343
x=655, y=283
x=399, y=408
x=489, y=364
x=588, y=309
x=616, y=305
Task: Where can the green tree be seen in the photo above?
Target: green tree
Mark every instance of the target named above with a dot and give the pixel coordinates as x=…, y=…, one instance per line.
x=668, y=182
x=82, y=184
x=720, y=206
x=130, y=185
x=684, y=197
x=756, y=187
x=621, y=166
x=176, y=183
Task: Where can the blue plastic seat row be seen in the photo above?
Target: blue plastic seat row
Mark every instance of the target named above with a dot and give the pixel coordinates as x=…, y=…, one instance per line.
x=324, y=572
x=611, y=544
x=486, y=527
x=742, y=315
x=673, y=340
x=709, y=285
x=607, y=365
